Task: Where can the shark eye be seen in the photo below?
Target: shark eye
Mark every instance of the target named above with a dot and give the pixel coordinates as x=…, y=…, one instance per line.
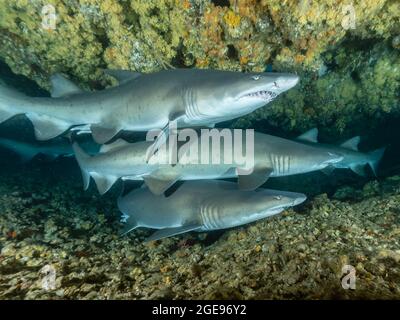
x=256, y=77
x=278, y=198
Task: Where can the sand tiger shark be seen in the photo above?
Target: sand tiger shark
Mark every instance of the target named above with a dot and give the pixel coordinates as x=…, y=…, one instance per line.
x=143, y=102
x=201, y=206
x=352, y=158
x=273, y=157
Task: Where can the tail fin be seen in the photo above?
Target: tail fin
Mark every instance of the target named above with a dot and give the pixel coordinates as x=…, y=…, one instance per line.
x=374, y=157
x=8, y=102
x=82, y=159
x=24, y=150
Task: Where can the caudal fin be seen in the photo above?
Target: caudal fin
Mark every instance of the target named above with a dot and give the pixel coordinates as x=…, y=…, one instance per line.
x=25, y=151
x=374, y=157
x=82, y=159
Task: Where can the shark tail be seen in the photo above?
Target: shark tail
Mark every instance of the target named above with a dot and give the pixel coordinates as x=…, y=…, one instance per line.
x=82, y=159
x=27, y=155
x=25, y=152
x=374, y=157
x=13, y=103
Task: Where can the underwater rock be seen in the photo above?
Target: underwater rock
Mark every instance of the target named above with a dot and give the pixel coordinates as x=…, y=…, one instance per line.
x=146, y=35
x=356, y=95
x=297, y=255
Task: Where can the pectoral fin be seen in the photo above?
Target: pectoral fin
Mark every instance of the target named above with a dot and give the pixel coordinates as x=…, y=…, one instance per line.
x=254, y=180
x=103, y=183
x=47, y=128
x=170, y=232
x=102, y=134
x=158, y=183
x=129, y=225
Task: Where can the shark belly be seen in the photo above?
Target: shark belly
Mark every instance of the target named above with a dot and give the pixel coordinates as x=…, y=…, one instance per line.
x=205, y=171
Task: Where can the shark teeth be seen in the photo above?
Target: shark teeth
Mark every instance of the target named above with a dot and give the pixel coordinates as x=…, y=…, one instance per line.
x=264, y=94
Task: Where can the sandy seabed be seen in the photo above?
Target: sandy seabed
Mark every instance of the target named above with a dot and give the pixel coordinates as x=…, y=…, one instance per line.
x=48, y=223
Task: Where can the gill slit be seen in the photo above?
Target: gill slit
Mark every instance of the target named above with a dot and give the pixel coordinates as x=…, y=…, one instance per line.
x=190, y=102
x=210, y=216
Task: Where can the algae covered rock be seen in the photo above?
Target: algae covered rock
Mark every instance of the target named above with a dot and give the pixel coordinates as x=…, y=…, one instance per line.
x=359, y=85
x=347, y=53
x=87, y=35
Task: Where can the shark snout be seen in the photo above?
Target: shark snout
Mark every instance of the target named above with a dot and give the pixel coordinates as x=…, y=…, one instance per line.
x=288, y=81
x=287, y=199
x=299, y=199
x=284, y=82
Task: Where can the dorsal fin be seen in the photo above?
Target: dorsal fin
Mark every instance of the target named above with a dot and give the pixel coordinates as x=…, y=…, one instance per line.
x=254, y=180
x=62, y=87
x=351, y=144
x=309, y=136
x=122, y=75
x=116, y=144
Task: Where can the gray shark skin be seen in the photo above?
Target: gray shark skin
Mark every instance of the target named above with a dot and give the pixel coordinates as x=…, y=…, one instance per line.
x=352, y=158
x=201, y=206
x=273, y=157
x=51, y=149
x=142, y=102
x=121, y=159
